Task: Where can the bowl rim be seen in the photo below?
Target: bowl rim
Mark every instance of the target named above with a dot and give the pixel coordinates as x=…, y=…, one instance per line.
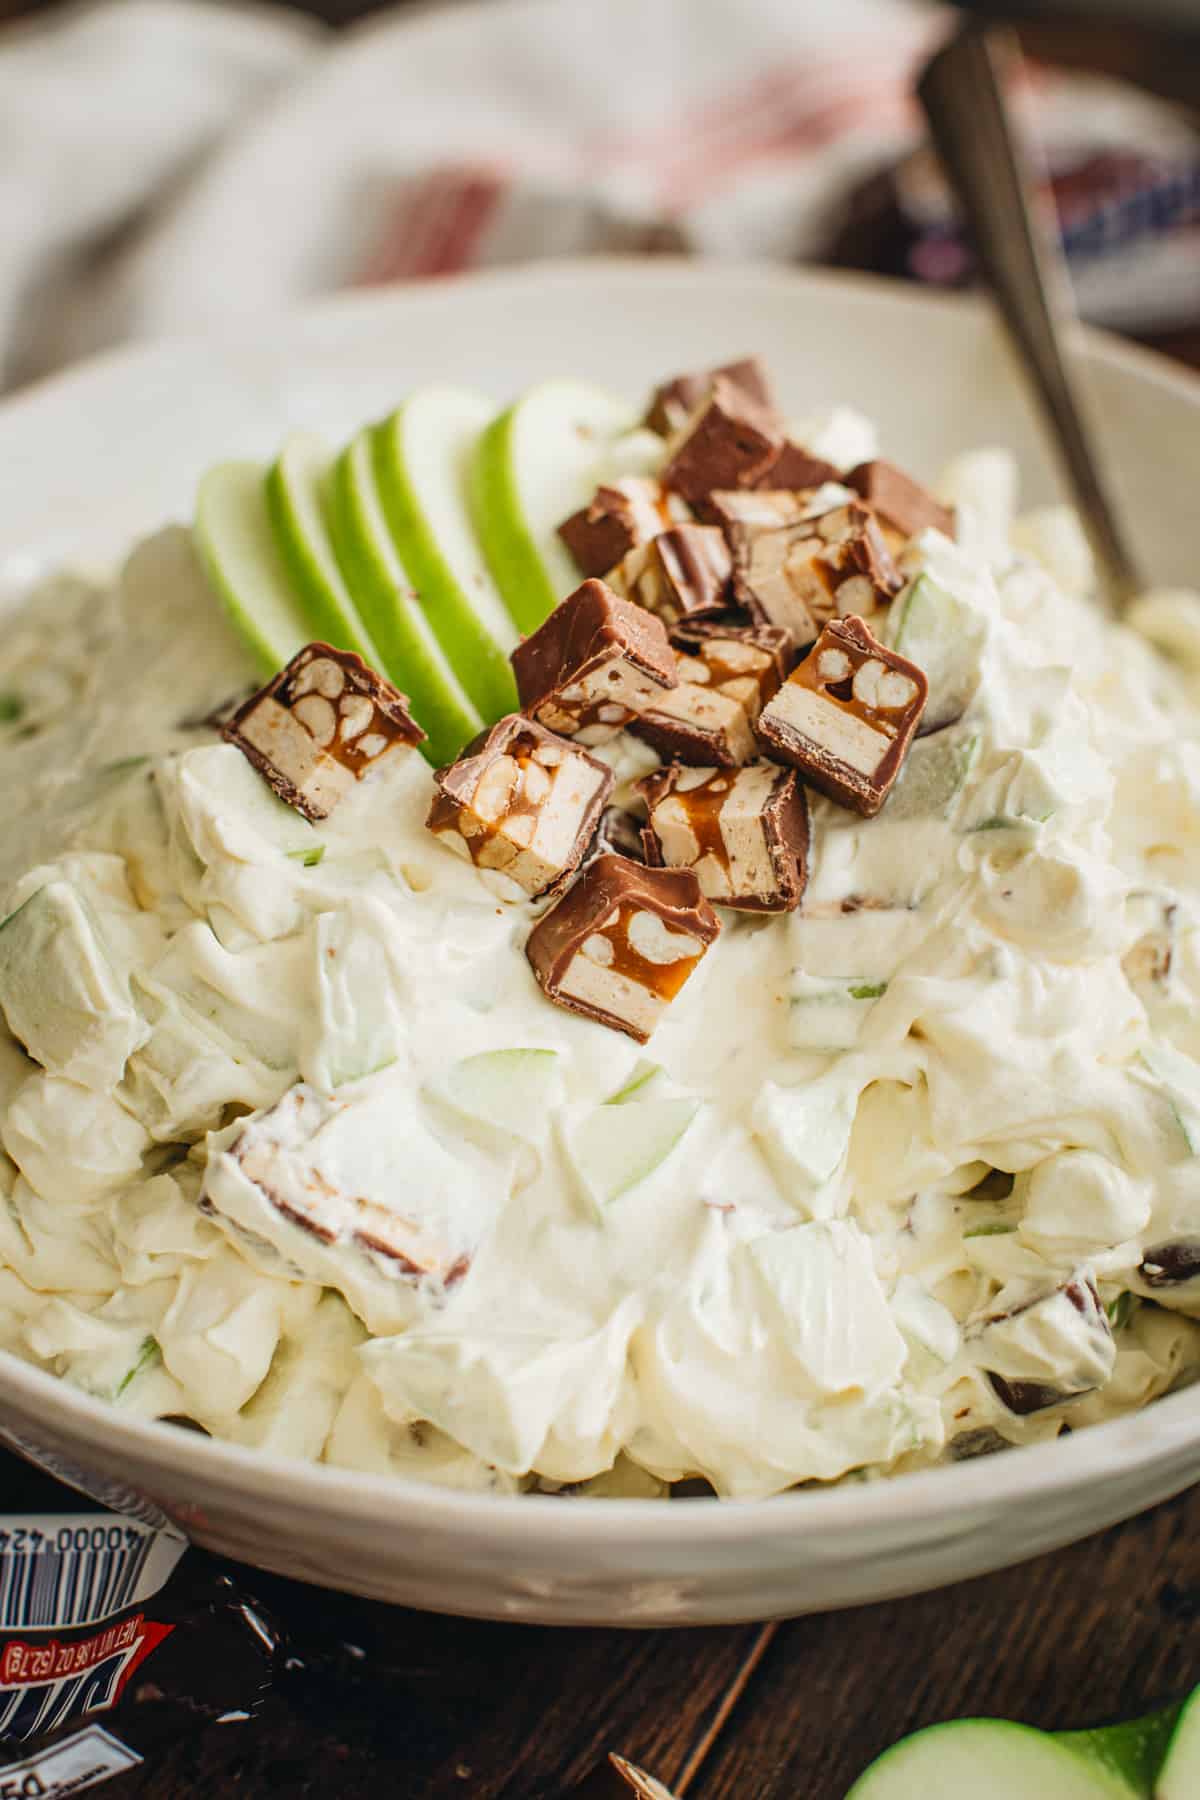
x=1140, y=1441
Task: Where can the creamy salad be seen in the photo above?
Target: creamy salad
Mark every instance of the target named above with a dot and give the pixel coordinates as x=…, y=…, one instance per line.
x=906, y=1172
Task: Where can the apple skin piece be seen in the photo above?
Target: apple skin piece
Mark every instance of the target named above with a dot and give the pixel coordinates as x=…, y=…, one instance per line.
x=533, y=466
x=421, y=455
x=236, y=546
x=392, y=610
x=295, y=495
x=988, y=1759
x=1179, y=1772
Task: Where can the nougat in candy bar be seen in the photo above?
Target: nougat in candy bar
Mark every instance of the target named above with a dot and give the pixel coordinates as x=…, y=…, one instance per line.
x=594, y=664
x=743, y=831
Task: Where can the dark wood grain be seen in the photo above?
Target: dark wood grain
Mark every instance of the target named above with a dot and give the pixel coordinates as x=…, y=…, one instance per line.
x=393, y=1703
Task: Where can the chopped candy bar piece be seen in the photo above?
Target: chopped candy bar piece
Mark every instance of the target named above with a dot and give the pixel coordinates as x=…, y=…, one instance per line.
x=673, y=403
x=521, y=800
x=594, y=664
x=618, y=518
x=741, y=511
x=846, y=716
x=678, y=574
x=743, y=831
x=797, y=468
x=801, y=575
x=621, y=943
x=726, y=676
x=319, y=725
x=902, y=503
x=1042, y=1346
x=728, y=442
x=620, y=833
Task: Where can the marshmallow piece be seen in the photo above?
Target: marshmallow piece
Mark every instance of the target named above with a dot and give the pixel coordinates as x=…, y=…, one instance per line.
x=1042, y=1346
x=728, y=442
x=846, y=716
x=904, y=506
x=618, y=518
x=594, y=664
x=318, y=727
x=621, y=943
x=672, y=404
x=744, y=832
x=799, y=576
x=726, y=674
x=679, y=574
x=523, y=801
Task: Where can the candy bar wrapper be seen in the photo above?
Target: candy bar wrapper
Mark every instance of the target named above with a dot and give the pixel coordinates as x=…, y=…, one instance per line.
x=113, y=1642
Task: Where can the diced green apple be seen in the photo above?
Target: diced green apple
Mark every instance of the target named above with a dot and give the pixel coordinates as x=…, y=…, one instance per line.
x=295, y=492
x=945, y=638
x=613, y=1152
x=422, y=455
x=511, y=1090
x=236, y=545
x=646, y=1080
x=533, y=466
x=391, y=608
x=827, y=1012
x=1179, y=1775
x=60, y=993
x=935, y=772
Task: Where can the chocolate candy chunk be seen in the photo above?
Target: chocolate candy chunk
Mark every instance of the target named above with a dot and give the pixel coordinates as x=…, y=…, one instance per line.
x=901, y=502
x=743, y=831
x=726, y=676
x=796, y=468
x=1171, y=1265
x=319, y=726
x=801, y=575
x=846, y=716
x=621, y=943
x=594, y=664
x=521, y=800
x=740, y=512
x=728, y=442
x=618, y=518
x=620, y=833
x=679, y=574
x=673, y=403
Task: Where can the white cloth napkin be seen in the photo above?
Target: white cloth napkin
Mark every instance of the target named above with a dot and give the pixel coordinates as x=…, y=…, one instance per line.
x=167, y=165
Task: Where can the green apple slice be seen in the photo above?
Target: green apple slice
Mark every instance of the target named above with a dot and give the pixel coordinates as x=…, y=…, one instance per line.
x=422, y=453
x=295, y=495
x=987, y=1759
x=613, y=1152
x=1179, y=1774
x=533, y=466
x=233, y=538
x=512, y=1090
x=391, y=609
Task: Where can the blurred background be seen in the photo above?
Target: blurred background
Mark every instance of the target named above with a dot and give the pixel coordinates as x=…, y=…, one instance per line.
x=174, y=165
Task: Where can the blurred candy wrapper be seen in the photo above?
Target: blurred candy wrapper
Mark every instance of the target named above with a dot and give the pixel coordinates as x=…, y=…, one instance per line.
x=1122, y=182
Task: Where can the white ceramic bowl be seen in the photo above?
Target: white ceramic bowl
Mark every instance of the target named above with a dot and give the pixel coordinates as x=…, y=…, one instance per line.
x=115, y=448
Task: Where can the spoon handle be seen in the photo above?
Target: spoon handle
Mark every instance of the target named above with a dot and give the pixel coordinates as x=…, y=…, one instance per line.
x=961, y=93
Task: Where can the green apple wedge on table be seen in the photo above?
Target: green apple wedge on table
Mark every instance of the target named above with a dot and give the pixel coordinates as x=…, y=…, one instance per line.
x=1153, y=1758
x=392, y=609
x=236, y=545
x=535, y=464
x=421, y=455
x=295, y=491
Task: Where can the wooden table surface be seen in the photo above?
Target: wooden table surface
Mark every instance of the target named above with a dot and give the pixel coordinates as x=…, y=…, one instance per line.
x=414, y=1707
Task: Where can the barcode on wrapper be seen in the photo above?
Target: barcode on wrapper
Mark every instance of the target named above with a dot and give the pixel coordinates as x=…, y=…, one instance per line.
x=78, y=1762
x=63, y=1570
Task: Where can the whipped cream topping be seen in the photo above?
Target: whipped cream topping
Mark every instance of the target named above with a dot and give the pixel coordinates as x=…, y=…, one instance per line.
x=294, y=1147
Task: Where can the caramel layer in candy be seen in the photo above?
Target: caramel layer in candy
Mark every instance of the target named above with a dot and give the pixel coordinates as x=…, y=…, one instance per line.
x=672, y=404
x=743, y=831
x=617, y=519
x=621, y=943
x=846, y=716
x=801, y=575
x=900, y=501
x=318, y=727
x=594, y=664
x=795, y=468
x=725, y=680
x=681, y=573
x=521, y=800
x=728, y=442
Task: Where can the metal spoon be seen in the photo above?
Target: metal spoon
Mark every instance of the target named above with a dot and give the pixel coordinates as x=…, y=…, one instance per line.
x=963, y=98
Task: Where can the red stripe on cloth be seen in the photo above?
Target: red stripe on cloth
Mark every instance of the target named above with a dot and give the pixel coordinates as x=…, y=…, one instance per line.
x=436, y=228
